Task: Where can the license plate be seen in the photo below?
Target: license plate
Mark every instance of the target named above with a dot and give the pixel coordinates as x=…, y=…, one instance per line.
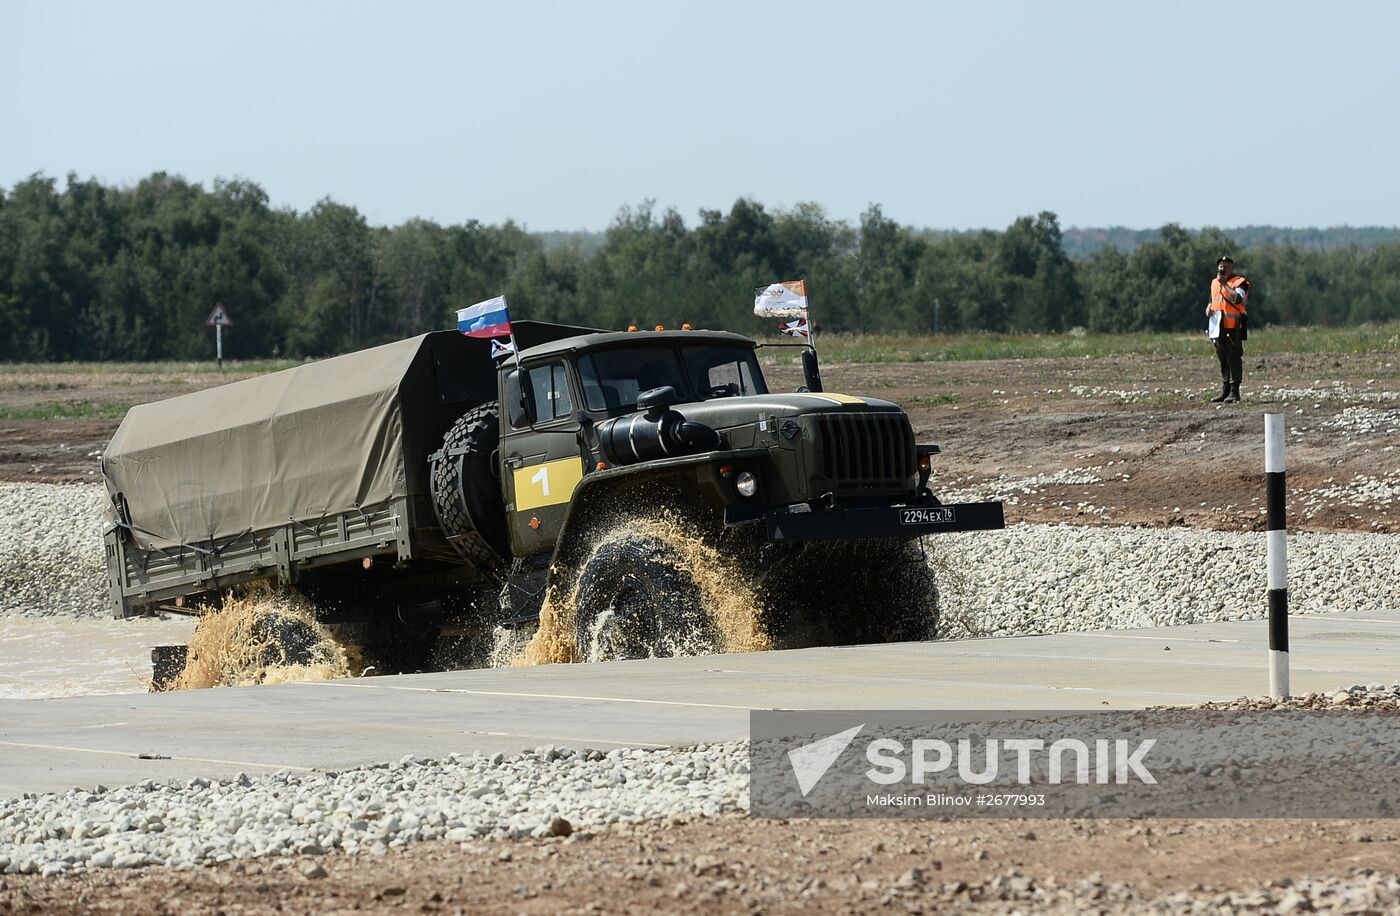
x=933, y=515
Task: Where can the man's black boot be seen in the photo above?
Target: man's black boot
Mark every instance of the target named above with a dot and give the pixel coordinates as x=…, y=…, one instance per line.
x=1234, y=393
x=1224, y=393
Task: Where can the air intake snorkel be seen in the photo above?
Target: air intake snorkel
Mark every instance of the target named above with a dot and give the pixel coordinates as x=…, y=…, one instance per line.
x=656, y=432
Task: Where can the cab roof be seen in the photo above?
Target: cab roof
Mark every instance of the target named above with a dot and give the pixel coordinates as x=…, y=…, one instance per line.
x=569, y=345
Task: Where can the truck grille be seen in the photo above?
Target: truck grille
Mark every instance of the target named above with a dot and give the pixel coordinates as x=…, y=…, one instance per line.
x=866, y=451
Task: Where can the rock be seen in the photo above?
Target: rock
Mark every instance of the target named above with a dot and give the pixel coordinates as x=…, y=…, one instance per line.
x=559, y=826
x=912, y=878
x=706, y=864
x=311, y=869
x=129, y=860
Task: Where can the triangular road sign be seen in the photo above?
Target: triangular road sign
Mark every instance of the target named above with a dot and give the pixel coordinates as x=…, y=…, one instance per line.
x=219, y=317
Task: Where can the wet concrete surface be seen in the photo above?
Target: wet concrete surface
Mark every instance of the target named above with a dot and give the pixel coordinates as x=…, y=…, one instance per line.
x=56, y=744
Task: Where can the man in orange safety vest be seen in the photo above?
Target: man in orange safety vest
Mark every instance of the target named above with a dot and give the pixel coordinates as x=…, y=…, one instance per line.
x=1226, y=317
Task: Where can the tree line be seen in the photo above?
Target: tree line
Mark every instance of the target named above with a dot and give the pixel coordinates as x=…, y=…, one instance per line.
x=1084, y=242
x=91, y=271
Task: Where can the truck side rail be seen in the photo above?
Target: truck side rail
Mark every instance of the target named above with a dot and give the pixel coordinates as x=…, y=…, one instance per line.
x=139, y=577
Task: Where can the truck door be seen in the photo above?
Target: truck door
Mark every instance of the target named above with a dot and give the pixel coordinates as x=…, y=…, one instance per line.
x=540, y=459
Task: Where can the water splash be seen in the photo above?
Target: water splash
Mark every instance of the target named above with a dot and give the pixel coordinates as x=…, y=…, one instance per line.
x=262, y=635
x=727, y=595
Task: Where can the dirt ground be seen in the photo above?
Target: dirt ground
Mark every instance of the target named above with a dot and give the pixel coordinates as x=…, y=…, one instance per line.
x=733, y=865
x=67, y=450
x=1121, y=440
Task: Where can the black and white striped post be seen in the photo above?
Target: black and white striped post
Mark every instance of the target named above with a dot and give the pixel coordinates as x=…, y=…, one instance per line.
x=1276, y=491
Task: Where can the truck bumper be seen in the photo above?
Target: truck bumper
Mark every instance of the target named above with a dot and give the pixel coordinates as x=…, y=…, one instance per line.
x=789, y=524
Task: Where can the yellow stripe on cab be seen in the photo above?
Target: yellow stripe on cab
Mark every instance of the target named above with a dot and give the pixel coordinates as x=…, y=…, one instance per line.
x=835, y=398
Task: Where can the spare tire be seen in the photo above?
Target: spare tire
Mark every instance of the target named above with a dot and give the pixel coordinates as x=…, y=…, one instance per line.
x=467, y=489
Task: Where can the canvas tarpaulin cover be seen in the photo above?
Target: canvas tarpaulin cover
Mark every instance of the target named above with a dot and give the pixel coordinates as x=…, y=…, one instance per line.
x=305, y=443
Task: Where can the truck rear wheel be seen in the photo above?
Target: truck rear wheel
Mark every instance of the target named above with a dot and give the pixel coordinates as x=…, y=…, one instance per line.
x=635, y=599
x=284, y=640
x=246, y=642
x=466, y=489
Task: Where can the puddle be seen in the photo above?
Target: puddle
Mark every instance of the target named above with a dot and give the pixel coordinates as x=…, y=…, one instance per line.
x=62, y=657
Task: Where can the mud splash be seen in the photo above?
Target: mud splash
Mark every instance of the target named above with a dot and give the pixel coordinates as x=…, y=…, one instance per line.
x=728, y=596
x=956, y=576
x=262, y=635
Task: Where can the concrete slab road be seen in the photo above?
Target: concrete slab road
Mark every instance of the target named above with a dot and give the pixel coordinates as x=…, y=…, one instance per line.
x=56, y=744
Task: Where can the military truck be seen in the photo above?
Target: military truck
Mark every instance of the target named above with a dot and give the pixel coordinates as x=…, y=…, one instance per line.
x=425, y=487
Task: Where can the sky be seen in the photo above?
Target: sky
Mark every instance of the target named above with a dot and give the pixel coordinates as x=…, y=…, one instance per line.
x=949, y=115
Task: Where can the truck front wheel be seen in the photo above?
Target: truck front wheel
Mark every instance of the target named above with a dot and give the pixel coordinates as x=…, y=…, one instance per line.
x=839, y=593
x=636, y=599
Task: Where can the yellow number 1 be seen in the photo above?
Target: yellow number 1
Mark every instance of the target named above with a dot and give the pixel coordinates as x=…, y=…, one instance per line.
x=547, y=484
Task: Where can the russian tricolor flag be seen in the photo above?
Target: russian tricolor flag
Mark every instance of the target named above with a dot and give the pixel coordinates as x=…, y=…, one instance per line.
x=485, y=319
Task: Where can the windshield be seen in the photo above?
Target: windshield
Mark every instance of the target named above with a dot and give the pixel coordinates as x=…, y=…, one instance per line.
x=613, y=378
x=722, y=371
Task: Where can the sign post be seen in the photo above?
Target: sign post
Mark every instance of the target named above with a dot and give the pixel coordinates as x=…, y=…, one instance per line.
x=1276, y=488
x=218, y=320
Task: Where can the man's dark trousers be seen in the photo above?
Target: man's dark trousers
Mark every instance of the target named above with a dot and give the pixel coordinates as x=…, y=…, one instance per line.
x=1229, y=349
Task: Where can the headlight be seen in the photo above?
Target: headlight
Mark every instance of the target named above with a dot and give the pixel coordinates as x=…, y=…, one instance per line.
x=746, y=484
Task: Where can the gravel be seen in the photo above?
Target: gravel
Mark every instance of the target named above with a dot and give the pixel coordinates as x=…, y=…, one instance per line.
x=547, y=792
x=51, y=550
x=1362, y=492
x=1371, y=697
x=1365, y=891
x=1024, y=580
x=1365, y=422
x=1062, y=578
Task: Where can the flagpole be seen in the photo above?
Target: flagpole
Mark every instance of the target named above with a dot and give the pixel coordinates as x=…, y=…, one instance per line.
x=511, y=324
x=811, y=323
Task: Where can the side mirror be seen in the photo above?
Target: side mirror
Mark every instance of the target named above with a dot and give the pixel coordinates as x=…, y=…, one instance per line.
x=520, y=397
x=811, y=372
